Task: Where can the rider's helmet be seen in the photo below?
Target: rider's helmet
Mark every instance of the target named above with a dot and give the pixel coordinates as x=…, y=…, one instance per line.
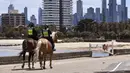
x=46, y=27
x=31, y=25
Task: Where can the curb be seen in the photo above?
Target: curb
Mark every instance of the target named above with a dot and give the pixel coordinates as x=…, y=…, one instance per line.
x=57, y=56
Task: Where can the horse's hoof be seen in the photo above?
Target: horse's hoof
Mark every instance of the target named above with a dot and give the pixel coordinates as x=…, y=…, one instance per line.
x=29, y=68
x=41, y=68
x=44, y=67
x=22, y=67
x=51, y=67
x=33, y=67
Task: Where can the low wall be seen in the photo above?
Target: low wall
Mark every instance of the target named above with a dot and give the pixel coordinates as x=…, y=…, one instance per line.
x=57, y=56
x=121, y=51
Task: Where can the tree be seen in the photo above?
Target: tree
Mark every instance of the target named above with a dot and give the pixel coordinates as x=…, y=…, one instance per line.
x=85, y=25
x=125, y=34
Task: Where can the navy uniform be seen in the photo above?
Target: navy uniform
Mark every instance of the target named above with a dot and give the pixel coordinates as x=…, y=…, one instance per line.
x=46, y=33
x=32, y=33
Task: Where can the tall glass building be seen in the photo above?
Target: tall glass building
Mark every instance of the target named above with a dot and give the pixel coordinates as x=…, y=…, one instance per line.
x=26, y=15
x=55, y=11
x=104, y=8
x=40, y=16
x=112, y=11
x=97, y=15
x=79, y=10
x=124, y=10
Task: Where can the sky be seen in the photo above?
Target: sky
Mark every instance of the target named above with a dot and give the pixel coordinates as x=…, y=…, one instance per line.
x=33, y=5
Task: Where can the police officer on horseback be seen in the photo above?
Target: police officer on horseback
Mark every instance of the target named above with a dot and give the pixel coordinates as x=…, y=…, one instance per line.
x=46, y=33
x=32, y=33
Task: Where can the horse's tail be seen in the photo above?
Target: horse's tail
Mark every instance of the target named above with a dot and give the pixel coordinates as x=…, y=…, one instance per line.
x=21, y=53
x=36, y=55
x=24, y=47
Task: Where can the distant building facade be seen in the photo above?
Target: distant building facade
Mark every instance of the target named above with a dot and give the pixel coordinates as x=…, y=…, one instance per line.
x=112, y=11
x=124, y=10
x=75, y=20
x=79, y=10
x=97, y=15
x=90, y=14
x=57, y=13
x=104, y=10
x=12, y=20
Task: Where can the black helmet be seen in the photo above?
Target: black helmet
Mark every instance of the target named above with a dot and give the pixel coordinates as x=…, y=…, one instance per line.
x=31, y=24
x=46, y=27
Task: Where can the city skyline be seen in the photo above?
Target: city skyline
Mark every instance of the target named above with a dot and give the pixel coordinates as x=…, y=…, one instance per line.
x=58, y=14
x=33, y=7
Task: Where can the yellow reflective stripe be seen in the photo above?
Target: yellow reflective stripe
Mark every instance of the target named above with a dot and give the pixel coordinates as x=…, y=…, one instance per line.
x=30, y=32
x=45, y=34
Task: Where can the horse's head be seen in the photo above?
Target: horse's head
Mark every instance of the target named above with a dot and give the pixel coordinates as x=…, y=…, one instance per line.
x=54, y=36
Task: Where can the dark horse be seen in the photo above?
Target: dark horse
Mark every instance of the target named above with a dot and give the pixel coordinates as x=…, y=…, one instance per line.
x=29, y=46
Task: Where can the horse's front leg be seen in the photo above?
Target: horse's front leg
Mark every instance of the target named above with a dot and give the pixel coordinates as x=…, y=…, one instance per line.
x=44, y=61
x=33, y=61
x=51, y=60
x=24, y=53
x=29, y=58
x=40, y=59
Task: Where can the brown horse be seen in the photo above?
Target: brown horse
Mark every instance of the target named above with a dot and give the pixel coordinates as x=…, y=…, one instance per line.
x=43, y=49
x=28, y=45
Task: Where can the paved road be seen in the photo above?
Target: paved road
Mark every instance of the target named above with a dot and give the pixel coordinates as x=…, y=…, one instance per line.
x=77, y=65
x=119, y=66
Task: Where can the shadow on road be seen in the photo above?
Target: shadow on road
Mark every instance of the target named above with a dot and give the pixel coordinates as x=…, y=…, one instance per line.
x=27, y=69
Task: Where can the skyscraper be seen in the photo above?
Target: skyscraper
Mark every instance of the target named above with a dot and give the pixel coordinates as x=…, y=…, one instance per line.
x=10, y=8
x=0, y=21
x=33, y=19
x=26, y=15
x=40, y=16
x=119, y=13
x=79, y=10
x=90, y=13
x=112, y=11
x=75, y=20
x=97, y=15
x=107, y=15
x=56, y=12
x=126, y=13
x=124, y=10
x=104, y=8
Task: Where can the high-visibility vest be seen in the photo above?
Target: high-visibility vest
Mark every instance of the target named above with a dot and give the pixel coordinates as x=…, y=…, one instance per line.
x=30, y=31
x=45, y=33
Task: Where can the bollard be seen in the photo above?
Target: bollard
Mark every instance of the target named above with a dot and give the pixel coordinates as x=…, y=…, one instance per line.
x=89, y=46
x=112, y=46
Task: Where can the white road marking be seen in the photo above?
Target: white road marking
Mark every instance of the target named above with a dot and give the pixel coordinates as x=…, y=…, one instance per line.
x=116, y=66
